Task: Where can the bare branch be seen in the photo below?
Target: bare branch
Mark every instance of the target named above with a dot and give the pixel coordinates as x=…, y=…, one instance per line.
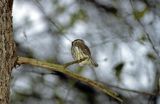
x=62, y=69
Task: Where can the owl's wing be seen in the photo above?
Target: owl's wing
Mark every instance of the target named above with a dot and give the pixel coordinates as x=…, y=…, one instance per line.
x=86, y=50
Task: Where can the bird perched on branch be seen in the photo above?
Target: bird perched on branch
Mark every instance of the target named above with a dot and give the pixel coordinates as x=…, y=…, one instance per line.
x=80, y=51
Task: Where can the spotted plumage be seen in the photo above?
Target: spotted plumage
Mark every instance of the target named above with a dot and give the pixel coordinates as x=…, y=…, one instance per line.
x=79, y=51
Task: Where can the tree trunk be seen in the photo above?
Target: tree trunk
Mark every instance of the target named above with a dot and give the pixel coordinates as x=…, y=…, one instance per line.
x=7, y=49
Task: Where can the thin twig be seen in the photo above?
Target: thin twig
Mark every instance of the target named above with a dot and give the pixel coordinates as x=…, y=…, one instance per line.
x=74, y=62
x=145, y=31
x=134, y=91
x=157, y=76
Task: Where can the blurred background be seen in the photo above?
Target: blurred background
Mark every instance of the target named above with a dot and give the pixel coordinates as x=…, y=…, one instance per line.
x=123, y=36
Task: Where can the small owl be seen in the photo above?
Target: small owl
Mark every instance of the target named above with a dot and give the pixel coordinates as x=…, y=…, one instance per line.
x=80, y=51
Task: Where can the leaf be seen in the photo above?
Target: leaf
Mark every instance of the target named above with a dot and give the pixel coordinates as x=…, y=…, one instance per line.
x=151, y=56
x=139, y=14
x=142, y=39
x=118, y=70
x=79, y=15
x=61, y=9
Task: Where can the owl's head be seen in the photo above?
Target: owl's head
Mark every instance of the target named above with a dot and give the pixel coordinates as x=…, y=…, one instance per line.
x=77, y=41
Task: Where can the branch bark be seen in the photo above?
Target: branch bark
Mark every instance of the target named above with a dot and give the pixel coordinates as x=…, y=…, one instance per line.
x=64, y=70
x=7, y=49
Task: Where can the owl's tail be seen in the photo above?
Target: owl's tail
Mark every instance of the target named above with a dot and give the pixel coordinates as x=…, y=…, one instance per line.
x=94, y=63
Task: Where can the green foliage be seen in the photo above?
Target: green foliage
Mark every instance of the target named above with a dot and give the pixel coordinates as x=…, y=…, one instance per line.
x=60, y=9
x=139, y=14
x=151, y=56
x=118, y=69
x=79, y=15
x=79, y=69
x=18, y=97
x=142, y=39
